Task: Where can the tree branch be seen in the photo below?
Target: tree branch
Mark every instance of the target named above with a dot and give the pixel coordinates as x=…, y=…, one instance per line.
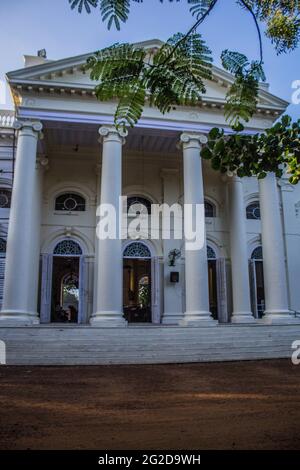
x=195, y=26
x=257, y=28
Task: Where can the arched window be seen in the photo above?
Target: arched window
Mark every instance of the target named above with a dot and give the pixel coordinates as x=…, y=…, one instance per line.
x=67, y=248
x=138, y=205
x=5, y=198
x=137, y=250
x=70, y=202
x=210, y=209
x=257, y=254
x=211, y=255
x=2, y=245
x=253, y=211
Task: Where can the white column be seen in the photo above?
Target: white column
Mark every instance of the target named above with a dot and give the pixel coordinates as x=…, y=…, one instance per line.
x=109, y=288
x=239, y=253
x=23, y=242
x=196, y=267
x=172, y=291
x=275, y=279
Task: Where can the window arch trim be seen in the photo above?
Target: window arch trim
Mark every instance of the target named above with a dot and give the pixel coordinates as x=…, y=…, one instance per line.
x=137, y=249
x=257, y=253
x=5, y=197
x=67, y=247
x=139, y=200
x=211, y=254
x=210, y=208
x=70, y=201
x=253, y=211
x=3, y=245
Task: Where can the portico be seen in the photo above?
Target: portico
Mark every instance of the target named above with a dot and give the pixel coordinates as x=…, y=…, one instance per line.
x=83, y=161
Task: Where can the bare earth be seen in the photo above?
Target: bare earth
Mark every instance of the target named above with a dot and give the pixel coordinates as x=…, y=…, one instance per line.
x=254, y=405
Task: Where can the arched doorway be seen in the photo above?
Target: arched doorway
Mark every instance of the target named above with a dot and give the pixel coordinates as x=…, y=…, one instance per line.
x=212, y=281
x=137, y=283
x=2, y=267
x=257, y=282
x=65, y=301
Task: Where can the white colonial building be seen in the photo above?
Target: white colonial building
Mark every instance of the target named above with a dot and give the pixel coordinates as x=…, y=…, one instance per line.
x=55, y=171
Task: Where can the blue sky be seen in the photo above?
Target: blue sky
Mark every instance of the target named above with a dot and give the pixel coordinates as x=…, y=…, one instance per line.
x=29, y=25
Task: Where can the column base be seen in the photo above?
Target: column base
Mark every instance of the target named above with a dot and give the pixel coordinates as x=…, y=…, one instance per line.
x=171, y=318
x=198, y=319
x=17, y=318
x=108, y=320
x=243, y=318
x=280, y=318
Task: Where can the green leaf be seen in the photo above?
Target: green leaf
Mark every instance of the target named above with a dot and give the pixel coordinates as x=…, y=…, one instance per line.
x=238, y=127
x=214, y=133
x=87, y=4
x=130, y=107
x=241, y=100
x=206, y=153
x=234, y=62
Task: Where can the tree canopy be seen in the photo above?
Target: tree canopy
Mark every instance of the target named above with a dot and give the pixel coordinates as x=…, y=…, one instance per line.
x=175, y=74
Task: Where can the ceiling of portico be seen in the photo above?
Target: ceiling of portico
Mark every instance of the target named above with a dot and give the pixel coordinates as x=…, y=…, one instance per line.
x=75, y=142
x=70, y=138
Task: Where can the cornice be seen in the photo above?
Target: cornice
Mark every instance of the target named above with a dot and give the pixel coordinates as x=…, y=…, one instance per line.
x=73, y=90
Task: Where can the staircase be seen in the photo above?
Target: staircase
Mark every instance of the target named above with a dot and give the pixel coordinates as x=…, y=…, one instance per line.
x=75, y=345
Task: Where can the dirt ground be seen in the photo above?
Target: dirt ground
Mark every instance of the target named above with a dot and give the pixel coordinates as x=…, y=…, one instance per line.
x=253, y=405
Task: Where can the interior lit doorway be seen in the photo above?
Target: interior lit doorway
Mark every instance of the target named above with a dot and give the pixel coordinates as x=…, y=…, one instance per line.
x=137, y=292
x=65, y=290
x=212, y=282
x=257, y=281
x=65, y=282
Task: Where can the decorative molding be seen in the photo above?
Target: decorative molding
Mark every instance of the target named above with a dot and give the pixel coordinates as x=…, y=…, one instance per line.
x=69, y=231
x=106, y=119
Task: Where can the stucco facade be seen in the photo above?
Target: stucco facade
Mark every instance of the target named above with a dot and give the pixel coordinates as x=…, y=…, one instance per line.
x=226, y=278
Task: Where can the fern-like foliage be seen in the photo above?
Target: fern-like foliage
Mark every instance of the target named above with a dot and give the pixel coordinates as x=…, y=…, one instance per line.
x=234, y=62
x=87, y=4
x=173, y=75
x=199, y=7
x=115, y=12
x=242, y=96
x=180, y=67
x=112, y=11
x=241, y=100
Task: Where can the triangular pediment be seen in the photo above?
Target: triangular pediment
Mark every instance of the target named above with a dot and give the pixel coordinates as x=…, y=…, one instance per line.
x=67, y=74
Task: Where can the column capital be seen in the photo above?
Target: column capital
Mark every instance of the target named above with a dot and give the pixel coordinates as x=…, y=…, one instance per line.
x=31, y=128
x=111, y=133
x=192, y=140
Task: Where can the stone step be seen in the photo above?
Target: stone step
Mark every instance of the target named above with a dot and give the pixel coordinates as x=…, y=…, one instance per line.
x=85, y=345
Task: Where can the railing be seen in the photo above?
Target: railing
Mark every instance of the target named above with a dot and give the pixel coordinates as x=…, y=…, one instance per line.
x=7, y=118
